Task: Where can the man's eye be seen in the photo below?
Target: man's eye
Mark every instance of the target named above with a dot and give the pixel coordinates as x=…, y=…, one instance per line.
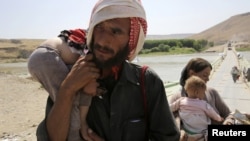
x=116, y=31
x=99, y=26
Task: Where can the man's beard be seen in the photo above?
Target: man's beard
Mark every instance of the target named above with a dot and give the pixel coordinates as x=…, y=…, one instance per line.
x=118, y=59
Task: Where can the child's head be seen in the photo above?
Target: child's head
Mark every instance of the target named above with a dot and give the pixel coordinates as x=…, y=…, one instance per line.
x=195, y=87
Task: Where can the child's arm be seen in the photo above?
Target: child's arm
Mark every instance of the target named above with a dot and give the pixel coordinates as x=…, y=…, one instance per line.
x=84, y=126
x=212, y=113
x=175, y=105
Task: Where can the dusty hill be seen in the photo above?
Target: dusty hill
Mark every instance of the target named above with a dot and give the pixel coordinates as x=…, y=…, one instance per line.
x=17, y=48
x=170, y=36
x=236, y=28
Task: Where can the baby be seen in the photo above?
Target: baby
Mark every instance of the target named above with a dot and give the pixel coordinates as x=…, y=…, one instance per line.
x=57, y=56
x=195, y=113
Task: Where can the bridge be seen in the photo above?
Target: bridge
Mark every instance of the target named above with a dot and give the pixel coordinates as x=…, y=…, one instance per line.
x=236, y=95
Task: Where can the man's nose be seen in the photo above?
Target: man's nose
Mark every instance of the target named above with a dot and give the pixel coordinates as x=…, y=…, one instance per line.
x=105, y=38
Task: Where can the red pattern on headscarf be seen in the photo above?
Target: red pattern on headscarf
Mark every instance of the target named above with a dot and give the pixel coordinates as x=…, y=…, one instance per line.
x=78, y=36
x=135, y=31
x=133, y=38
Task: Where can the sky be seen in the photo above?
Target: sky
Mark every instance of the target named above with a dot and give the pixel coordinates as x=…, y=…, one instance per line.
x=41, y=19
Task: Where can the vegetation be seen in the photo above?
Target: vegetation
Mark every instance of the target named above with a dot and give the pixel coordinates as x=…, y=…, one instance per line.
x=242, y=47
x=174, y=46
x=17, y=50
x=14, y=50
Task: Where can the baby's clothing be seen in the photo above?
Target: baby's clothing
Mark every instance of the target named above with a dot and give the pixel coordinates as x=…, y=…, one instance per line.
x=195, y=114
x=46, y=65
x=62, y=48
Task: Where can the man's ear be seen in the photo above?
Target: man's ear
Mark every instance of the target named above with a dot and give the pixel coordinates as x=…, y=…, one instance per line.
x=131, y=55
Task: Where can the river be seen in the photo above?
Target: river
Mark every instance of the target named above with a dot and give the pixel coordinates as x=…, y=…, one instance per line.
x=168, y=67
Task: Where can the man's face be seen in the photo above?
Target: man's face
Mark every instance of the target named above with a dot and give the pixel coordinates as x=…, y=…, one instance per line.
x=110, y=42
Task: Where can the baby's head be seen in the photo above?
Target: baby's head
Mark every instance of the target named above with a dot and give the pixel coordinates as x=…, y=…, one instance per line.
x=195, y=87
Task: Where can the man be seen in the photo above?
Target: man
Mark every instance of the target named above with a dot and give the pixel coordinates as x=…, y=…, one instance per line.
x=235, y=73
x=115, y=36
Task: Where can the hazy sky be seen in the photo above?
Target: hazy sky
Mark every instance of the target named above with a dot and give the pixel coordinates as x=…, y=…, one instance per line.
x=46, y=18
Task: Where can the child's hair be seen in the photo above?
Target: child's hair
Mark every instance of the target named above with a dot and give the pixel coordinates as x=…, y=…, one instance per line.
x=193, y=84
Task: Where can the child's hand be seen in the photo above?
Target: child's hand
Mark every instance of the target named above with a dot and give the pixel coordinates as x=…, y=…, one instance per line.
x=91, y=88
x=222, y=119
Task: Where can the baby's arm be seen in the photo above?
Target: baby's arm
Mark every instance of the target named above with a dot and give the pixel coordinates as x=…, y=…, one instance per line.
x=212, y=114
x=84, y=126
x=175, y=105
x=85, y=101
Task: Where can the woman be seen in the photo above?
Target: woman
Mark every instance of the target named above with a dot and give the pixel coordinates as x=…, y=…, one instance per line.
x=202, y=68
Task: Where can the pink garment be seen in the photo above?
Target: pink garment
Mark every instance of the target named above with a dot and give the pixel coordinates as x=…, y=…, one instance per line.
x=194, y=113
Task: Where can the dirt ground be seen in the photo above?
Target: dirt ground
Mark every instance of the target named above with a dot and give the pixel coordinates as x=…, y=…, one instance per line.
x=22, y=107
x=216, y=49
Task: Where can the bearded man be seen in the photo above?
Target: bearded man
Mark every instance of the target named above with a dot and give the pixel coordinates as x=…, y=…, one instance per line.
x=123, y=112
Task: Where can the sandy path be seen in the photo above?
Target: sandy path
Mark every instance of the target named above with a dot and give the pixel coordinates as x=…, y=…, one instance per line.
x=22, y=105
x=216, y=49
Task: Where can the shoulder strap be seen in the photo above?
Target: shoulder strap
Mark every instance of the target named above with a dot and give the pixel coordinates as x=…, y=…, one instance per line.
x=144, y=96
x=144, y=68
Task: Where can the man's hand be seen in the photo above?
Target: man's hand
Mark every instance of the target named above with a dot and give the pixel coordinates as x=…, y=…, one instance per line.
x=83, y=72
x=91, y=88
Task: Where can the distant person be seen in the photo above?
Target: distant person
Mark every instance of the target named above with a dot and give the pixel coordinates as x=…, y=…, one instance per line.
x=195, y=113
x=51, y=62
x=235, y=73
x=238, y=55
x=222, y=55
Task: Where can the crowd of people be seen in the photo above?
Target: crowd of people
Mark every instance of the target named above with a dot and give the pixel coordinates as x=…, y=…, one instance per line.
x=95, y=92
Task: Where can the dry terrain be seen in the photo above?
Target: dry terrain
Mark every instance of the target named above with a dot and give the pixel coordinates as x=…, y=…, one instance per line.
x=22, y=107
x=22, y=100
x=235, y=28
x=23, y=103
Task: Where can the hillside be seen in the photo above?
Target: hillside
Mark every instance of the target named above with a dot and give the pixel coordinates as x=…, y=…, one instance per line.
x=17, y=48
x=170, y=36
x=236, y=28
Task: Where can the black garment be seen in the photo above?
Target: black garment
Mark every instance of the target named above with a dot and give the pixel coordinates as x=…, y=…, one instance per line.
x=119, y=114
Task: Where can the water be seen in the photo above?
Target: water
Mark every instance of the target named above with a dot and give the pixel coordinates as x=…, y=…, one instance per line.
x=168, y=67
x=246, y=55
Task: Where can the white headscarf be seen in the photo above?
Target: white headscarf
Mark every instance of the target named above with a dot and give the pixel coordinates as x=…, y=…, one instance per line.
x=110, y=9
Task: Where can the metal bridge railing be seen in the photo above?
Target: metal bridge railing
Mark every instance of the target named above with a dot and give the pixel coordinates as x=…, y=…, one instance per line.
x=215, y=65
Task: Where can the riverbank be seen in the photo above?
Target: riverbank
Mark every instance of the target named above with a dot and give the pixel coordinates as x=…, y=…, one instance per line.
x=23, y=100
x=22, y=107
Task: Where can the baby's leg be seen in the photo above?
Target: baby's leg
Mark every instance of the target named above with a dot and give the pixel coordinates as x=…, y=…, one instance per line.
x=47, y=67
x=85, y=101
